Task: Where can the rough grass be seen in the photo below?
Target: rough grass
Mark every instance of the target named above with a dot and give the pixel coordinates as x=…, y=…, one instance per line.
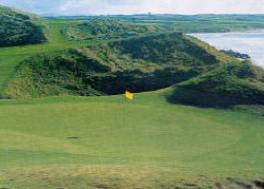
x=10, y=57
x=228, y=85
x=105, y=28
x=138, y=64
x=17, y=28
x=122, y=177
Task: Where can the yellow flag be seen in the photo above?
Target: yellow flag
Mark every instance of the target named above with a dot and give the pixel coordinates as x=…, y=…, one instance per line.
x=129, y=95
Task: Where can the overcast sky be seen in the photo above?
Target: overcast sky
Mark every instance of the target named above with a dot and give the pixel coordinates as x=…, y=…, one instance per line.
x=92, y=7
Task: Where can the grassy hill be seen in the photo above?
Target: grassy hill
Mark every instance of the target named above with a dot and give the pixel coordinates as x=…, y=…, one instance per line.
x=11, y=57
x=106, y=28
x=137, y=64
x=17, y=28
x=143, y=63
x=199, y=23
x=187, y=23
x=228, y=85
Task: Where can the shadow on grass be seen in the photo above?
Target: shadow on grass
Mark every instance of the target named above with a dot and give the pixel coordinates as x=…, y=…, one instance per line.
x=195, y=97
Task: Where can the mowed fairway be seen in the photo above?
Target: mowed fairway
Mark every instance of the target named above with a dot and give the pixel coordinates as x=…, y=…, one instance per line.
x=110, y=142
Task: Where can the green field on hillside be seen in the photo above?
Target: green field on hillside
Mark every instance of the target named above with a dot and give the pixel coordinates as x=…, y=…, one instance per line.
x=10, y=57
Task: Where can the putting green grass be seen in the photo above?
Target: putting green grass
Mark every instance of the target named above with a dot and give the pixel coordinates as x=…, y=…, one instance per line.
x=111, y=142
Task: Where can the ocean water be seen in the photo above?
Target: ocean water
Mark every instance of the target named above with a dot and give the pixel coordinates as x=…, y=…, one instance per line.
x=251, y=43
